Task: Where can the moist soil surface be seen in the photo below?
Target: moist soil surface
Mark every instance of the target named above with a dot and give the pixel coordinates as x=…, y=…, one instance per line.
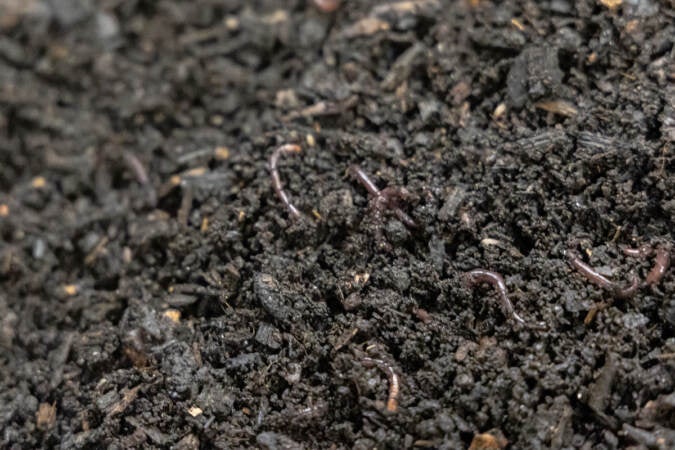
x=155, y=292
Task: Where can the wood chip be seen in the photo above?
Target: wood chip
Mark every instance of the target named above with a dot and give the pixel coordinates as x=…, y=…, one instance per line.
x=195, y=411
x=365, y=27
x=416, y=7
x=221, y=153
x=611, y=4
x=518, y=24
x=558, y=107
x=499, y=111
x=45, y=417
x=38, y=182
x=71, y=289
x=275, y=18
x=194, y=173
x=128, y=396
x=361, y=278
x=487, y=242
x=488, y=441
x=173, y=315
x=632, y=26
x=593, y=312
x=91, y=257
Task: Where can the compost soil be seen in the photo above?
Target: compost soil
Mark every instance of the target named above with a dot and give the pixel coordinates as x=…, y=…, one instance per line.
x=155, y=292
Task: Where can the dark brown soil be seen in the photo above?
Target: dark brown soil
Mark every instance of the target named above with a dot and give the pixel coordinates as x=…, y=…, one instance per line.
x=155, y=292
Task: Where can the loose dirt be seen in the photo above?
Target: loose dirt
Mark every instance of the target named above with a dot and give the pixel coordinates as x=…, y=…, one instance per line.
x=155, y=292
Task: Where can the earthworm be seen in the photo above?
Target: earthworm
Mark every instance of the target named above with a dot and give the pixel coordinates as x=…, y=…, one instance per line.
x=282, y=150
x=394, y=383
x=478, y=276
x=596, y=278
x=387, y=198
x=390, y=198
x=363, y=178
x=661, y=264
x=628, y=292
x=327, y=6
x=642, y=251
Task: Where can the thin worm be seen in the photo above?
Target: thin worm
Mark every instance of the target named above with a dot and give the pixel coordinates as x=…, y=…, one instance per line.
x=394, y=382
x=327, y=6
x=629, y=291
x=282, y=150
x=642, y=251
x=384, y=199
x=405, y=218
x=591, y=274
x=477, y=276
x=596, y=278
x=661, y=264
x=363, y=178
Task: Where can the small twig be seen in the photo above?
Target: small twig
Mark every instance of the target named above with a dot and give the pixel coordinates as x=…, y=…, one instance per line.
x=590, y=315
x=478, y=276
x=282, y=150
x=186, y=201
x=93, y=254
